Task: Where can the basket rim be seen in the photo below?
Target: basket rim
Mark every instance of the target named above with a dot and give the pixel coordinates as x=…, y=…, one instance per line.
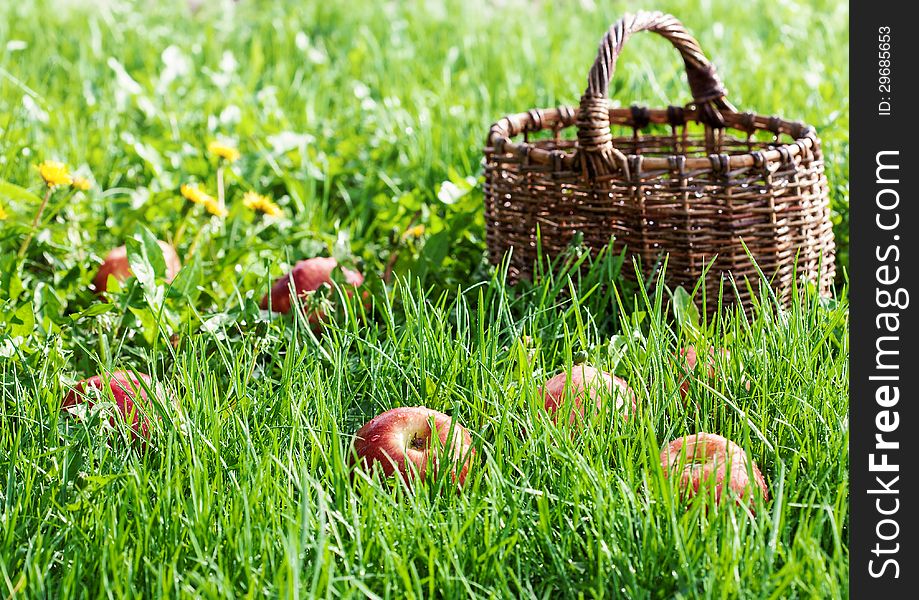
x=557, y=118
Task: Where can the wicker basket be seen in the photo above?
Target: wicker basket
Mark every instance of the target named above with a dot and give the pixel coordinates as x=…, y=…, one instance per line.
x=704, y=182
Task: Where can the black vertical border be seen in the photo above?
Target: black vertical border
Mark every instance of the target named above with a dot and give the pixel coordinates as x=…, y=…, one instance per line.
x=871, y=133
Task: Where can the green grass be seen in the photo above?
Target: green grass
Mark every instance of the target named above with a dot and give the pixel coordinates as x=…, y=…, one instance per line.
x=352, y=115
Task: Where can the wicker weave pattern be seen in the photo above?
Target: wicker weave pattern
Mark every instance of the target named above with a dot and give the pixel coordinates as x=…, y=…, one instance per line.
x=694, y=193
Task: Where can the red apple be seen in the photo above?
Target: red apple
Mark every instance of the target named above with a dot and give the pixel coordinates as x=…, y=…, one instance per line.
x=690, y=359
x=587, y=383
x=308, y=276
x=709, y=459
x=400, y=441
x=127, y=392
x=116, y=264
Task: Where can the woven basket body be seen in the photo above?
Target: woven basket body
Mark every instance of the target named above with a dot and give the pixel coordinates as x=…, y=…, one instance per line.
x=698, y=186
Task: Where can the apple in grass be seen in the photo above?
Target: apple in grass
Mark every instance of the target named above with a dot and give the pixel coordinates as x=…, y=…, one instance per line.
x=708, y=459
x=589, y=387
x=116, y=264
x=689, y=360
x=408, y=441
x=308, y=276
x=127, y=391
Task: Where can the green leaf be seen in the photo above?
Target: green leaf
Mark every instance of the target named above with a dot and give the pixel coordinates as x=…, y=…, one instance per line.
x=140, y=263
x=187, y=283
x=93, y=311
x=147, y=320
x=685, y=310
x=617, y=347
x=146, y=258
x=435, y=248
x=48, y=305
x=112, y=285
x=23, y=321
x=10, y=281
x=12, y=191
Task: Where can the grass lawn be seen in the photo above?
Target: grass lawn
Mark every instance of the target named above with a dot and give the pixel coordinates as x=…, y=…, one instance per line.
x=364, y=121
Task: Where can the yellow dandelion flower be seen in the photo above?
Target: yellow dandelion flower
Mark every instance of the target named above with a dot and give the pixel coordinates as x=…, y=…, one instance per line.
x=413, y=232
x=81, y=183
x=264, y=204
x=215, y=209
x=3, y=214
x=54, y=173
x=195, y=195
x=227, y=152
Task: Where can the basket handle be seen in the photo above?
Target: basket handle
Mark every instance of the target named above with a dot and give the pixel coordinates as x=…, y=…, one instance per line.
x=593, y=125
